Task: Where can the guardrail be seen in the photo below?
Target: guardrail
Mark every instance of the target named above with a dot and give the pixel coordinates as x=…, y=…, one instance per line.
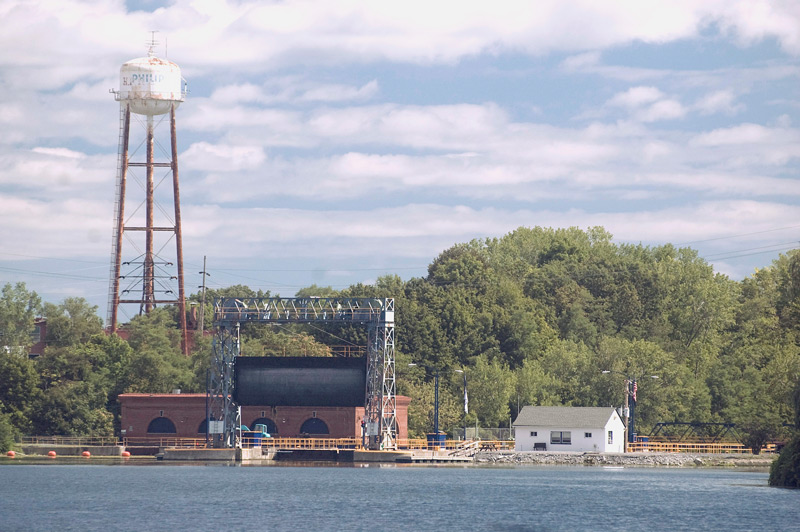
x=70, y=440
x=696, y=447
x=173, y=441
x=355, y=443
x=310, y=443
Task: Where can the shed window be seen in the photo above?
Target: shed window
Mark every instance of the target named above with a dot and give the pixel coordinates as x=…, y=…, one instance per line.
x=587, y=434
x=561, y=437
x=534, y=433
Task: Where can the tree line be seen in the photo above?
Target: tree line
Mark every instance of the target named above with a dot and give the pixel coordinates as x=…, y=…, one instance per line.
x=531, y=318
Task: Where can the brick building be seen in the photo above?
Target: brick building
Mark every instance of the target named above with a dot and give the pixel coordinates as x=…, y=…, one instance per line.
x=183, y=415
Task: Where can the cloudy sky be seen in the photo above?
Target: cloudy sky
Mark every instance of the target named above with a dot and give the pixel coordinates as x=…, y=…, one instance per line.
x=333, y=142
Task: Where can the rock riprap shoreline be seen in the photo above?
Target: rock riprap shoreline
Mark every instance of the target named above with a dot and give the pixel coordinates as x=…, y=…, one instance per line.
x=627, y=459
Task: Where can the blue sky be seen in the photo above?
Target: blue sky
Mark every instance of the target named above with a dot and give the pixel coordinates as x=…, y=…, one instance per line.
x=333, y=142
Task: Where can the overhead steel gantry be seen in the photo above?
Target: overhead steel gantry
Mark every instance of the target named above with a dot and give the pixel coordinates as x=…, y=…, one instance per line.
x=377, y=314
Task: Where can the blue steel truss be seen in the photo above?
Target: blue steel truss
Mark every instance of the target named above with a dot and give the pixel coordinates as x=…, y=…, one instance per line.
x=375, y=313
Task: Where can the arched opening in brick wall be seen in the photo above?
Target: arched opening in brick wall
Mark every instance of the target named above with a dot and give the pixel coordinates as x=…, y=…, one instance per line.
x=314, y=426
x=272, y=428
x=161, y=425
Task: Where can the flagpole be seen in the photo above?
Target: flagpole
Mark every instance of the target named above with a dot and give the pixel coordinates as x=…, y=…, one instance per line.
x=466, y=406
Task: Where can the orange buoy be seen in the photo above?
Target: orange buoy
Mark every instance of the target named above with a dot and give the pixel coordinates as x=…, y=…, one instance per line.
x=126, y=454
x=11, y=454
x=87, y=454
x=51, y=454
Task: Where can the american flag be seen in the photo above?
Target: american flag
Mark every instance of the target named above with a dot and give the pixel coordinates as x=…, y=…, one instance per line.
x=635, y=387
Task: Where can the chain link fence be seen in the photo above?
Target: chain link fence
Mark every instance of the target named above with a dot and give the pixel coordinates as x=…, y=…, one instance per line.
x=484, y=433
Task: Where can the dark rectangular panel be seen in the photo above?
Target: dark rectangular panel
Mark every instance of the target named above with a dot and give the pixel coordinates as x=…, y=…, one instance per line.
x=300, y=381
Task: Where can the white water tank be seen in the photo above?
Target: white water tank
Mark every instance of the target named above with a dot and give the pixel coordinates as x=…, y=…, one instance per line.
x=150, y=85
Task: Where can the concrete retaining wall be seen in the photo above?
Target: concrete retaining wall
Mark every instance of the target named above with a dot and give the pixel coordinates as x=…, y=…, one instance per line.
x=193, y=455
x=72, y=450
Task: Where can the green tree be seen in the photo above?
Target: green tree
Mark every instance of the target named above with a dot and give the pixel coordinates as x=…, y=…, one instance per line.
x=19, y=388
x=785, y=471
x=73, y=409
x=264, y=340
x=421, y=410
x=72, y=322
x=80, y=385
x=18, y=309
x=535, y=386
x=491, y=388
x=156, y=362
x=7, y=433
x=316, y=291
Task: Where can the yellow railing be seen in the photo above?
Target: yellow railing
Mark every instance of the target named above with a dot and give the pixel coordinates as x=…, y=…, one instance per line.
x=315, y=443
x=309, y=443
x=406, y=444
x=695, y=447
x=154, y=441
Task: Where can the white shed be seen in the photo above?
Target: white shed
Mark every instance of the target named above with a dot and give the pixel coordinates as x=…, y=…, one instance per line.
x=565, y=428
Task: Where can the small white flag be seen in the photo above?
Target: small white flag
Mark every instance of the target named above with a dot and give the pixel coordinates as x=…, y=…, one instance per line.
x=466, y=399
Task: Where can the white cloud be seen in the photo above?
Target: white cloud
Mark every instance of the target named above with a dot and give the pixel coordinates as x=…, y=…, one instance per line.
x=661, y=110
x=749, y=146
x=206, y=157
x=636, y=97
x=742, y=134
x=293, y=90
x=755, y=20
x=425, y=226
x=60, y=152
x=71, y=228
x=305, y=108
x=91, y=37
x=722, y=101
x=647, y=104
x=56, y=172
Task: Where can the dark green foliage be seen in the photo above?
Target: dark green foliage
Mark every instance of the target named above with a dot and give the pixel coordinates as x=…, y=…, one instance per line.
x=785, y=470
x=532, y=318
x=72, y=322
x=19, y=389
x=7, y=432
x=18, y=308
x=73, y=409
x=757, y=432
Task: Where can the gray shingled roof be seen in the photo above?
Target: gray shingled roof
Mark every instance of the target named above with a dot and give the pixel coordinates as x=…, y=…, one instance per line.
x=564, y=416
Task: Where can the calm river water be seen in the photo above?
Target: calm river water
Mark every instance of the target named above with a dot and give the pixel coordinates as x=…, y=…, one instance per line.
x=159, y=496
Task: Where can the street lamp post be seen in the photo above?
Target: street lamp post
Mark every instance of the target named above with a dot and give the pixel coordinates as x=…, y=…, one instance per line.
x=435, y=395
x=631, y=387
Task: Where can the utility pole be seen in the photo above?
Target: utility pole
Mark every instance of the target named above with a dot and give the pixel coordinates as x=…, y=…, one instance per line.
x=204, y=273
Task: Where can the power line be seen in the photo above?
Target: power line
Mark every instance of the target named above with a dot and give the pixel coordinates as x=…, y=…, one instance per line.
x=739, y=235
x=793, y=243
x=390, y=268
x=51, y=274
x=725, y=257
x=51, y=258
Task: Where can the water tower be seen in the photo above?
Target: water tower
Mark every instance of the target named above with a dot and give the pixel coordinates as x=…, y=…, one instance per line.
x=147, y=274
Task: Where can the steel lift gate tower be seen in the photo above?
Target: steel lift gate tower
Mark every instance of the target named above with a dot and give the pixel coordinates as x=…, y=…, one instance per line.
x=377, y=314
x=149, y=87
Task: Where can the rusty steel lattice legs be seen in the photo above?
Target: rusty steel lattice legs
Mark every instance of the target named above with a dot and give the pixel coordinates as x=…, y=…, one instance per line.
x=148, y=273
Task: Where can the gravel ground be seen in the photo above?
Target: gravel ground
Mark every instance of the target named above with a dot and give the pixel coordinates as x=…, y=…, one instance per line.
x=627, y=459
